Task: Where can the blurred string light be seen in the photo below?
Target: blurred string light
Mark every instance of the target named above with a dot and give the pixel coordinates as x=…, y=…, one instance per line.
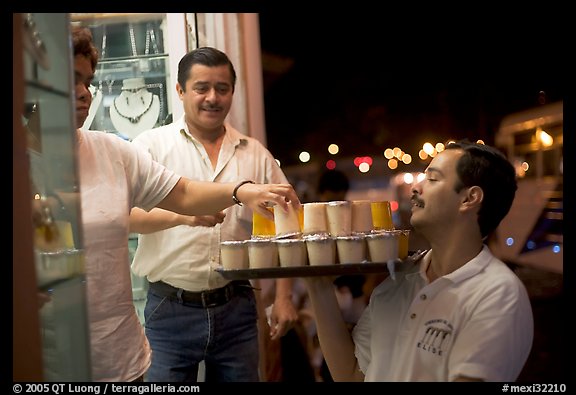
x=396, y=156
x=363, y=163
x=364, y=167
x=304, y=156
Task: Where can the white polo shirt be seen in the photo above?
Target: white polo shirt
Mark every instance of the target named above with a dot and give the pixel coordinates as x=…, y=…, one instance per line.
x=476, y=321
x=185, y=256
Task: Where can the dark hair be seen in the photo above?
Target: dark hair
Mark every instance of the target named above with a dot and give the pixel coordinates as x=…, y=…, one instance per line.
x=486, y=167
x=84, y=45
x=206, y=56
x=333, y=180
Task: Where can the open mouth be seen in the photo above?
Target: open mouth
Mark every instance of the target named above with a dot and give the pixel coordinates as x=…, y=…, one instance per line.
x=417, y=202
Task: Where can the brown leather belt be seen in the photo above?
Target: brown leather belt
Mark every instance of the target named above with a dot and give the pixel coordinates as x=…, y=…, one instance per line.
x=209, y=298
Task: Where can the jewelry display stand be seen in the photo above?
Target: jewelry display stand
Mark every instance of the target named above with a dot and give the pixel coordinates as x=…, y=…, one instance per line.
x=135, y=109
x=132, y=75
x=95, y=107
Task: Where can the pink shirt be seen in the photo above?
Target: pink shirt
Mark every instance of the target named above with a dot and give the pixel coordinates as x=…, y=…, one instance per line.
x=114, y=177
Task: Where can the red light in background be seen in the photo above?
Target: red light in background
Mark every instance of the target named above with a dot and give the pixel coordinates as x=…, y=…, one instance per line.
x=362, y=159
x=394, y=205
x=330, y=164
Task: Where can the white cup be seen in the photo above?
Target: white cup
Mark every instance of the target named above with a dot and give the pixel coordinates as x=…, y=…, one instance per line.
x=292, y=252
x=351, y=249
x=315, y=220
x=362, y=216
x=286, y=223
x=339, y=214
x=321, y=250
x=383, y=245
x=234, y=255
x=262, y=253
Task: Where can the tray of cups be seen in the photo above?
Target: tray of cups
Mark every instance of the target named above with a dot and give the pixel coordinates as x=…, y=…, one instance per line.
x=336, y=269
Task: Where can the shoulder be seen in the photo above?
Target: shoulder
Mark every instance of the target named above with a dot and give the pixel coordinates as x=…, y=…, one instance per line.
x=159, y=132
x=102, y=138
x=244, y=139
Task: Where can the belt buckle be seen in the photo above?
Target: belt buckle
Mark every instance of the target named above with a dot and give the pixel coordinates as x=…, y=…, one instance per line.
x=210, y=299
x=216, y=298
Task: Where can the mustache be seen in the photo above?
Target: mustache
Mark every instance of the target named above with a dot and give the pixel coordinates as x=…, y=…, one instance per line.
x=415, y=200
x=211, y=107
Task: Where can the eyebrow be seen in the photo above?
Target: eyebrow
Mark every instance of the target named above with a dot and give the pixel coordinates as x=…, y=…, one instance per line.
x=79, y=76
x=434, y=170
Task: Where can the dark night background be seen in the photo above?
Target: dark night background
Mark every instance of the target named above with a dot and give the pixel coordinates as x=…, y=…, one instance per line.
x=369, y=80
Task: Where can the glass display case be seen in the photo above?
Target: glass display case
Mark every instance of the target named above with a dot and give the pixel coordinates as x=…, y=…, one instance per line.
x=48, y=119
x=133, y=73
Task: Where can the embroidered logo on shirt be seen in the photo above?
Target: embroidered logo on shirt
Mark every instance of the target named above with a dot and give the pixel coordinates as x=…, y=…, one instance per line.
x=436, y=337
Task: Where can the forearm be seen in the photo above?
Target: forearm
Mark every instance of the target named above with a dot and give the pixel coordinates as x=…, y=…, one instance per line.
x=198, y=198
x=152, y=221
x=335, y=339
x=284, y=289
x=207, y=198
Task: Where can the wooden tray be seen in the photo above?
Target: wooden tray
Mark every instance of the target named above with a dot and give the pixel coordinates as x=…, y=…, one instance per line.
x=318, y=270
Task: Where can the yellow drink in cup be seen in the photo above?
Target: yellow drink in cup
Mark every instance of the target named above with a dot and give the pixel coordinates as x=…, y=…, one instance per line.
x=262, y=227
x=382, y=215
x=403, y=243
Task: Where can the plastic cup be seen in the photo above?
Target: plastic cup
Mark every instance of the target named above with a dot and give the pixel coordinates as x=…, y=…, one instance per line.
x=262, y=253
x=286, y=223
x=351, y=249
x=362, y=216
x=382, y=215
x=234, y=255
x=403, y=243
x=292, y=252
x=321, y=250
x=262, y=227
x=339, y=214
x=383, y=245
x=315, y=220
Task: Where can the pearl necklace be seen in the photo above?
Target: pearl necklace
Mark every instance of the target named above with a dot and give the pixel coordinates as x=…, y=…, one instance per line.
x=136, y=118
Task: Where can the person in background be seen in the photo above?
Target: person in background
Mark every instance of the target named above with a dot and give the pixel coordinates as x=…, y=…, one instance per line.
x=192, y=313
x=333, y=185
x=459, y=314
x=114, y=176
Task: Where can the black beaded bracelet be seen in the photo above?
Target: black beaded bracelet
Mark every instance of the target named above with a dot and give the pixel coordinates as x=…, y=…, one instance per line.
x=234, y=197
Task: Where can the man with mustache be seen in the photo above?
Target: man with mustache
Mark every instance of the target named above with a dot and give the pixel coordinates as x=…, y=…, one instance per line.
x=178, y=253
x=458, y=314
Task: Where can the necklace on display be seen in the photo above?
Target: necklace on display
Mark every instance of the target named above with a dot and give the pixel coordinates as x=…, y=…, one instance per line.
x=130, y=98
x=132, y=40
x=150, y=37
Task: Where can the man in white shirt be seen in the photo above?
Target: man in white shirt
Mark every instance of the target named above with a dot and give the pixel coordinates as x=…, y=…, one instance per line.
x=460, y=314
x=192, y=313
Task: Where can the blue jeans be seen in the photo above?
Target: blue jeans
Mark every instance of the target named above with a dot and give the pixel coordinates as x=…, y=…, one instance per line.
x=225, y=337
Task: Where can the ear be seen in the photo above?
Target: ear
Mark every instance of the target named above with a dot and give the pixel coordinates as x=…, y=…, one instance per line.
x=472, y=198
x=179, y=90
